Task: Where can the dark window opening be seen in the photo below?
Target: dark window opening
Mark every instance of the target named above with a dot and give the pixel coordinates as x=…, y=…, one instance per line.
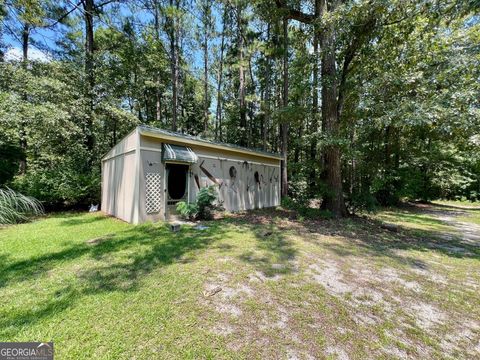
x=233, y=172
x=177, y=181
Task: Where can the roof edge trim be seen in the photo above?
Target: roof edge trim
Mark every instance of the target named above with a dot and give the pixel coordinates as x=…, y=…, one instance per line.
x=188, y=139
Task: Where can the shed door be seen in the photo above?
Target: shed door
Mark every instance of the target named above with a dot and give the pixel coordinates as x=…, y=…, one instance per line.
x=176, y=182
x=176, y=187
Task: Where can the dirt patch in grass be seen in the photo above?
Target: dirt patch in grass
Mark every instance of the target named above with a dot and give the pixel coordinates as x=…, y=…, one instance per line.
x=359, y=288
x=101, y=239
x=226, y=298
x=427, y=316
x=328, y=274
x=255, y=285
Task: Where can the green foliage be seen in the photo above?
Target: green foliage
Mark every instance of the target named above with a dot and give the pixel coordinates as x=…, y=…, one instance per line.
x=10, y=156
x=205, y=202
x=203, y=207
x=58, y=171
x=413, y=117
x=187, y=210
x=361, y=201
x=409, y=127
x=16, y=207
x=298, y=191
x=60, y=185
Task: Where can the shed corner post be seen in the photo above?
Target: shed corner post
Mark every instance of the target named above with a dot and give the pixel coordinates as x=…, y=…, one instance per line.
x=136, y=209
x=102, y=188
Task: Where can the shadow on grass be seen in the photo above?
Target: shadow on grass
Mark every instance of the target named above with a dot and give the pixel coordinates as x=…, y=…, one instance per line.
x=365, y=238
x=416, y=218
x=376, y=241
x=144, y=249
x=473, y=207
x=82, y=220
x=162, y=248
x=11, y=323
x=273, y=253
x=136, y=252
x=176, y=247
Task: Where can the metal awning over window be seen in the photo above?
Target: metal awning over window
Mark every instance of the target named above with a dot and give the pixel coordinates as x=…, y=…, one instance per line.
x=179, y=153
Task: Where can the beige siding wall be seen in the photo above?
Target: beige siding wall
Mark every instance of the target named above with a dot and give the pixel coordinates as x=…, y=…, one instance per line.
x=118, y=180
x=124, y=179
x=128, y=143
x=242, y=192
x=148, y=142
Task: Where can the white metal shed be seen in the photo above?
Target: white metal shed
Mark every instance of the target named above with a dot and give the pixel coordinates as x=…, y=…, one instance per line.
x=150, y=170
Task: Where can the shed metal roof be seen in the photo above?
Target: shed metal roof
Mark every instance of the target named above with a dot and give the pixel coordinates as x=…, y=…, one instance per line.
x=189, y=139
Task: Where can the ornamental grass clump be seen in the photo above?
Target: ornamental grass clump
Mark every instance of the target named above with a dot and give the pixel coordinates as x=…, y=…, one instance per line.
x=16, y=207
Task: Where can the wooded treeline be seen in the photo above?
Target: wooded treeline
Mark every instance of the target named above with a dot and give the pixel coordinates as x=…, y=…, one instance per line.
x=369, y=101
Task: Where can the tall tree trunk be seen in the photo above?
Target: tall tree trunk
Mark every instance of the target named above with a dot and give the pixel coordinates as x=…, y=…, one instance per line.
x=266, y=118
x=334, y=201
x=174, y=66
x=298, y=145
x=388, y=150
x=284, y=124
x=89, y=7
x=312, y=178
x=114, y=133
x=241, y=75
x=218, y=116
x=205, y=79
x=251, y=108
x=25, y=40
x=23, y=122
x=353, y=184
x=158, y=91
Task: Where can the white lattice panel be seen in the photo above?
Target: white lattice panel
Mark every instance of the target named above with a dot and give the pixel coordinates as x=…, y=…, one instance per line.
x=153, y=196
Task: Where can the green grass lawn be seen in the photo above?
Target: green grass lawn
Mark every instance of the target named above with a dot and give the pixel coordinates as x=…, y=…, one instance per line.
x=458, y=203
x=260, y=285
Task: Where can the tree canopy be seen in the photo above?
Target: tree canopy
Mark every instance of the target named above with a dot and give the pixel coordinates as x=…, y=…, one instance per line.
x=370, y=102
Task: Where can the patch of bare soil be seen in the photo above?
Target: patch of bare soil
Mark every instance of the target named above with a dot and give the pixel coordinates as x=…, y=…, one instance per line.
x=338, y=352
x=293, y=354
x=227, y=300
x=101, y=239
x=328, y=274
x=468, y=232
x=431, y=275
x=372, y=294
x=259, y=276
x=395, y=352
x=462, y=336
x=278, y=321
x=223, y=329
x=427, y=316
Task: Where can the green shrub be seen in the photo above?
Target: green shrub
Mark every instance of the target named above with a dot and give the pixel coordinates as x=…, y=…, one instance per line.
x=16, y=207
x=288, y=203
x=10, y=156
x=361, y=201
x=57, y=186
x=187, y=210
x=202, y=208
x=205, y=202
